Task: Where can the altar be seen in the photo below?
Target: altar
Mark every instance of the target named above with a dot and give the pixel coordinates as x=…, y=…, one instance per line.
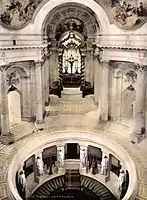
x=71, y=80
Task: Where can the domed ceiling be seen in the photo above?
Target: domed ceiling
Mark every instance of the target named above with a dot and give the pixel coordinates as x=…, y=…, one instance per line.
x=129, y=14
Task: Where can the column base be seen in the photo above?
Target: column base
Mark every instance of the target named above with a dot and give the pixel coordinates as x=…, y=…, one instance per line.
x=40, y=125
x=47, y=102
x=7, y=139
x=39, y=121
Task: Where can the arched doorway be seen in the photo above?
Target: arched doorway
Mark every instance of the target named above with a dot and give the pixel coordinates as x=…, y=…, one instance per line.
x=72, y=31
x=14, y=106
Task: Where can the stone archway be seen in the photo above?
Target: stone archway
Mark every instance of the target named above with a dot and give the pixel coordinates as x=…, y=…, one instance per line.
x=16, y=87
x=14, y=106
x=90, y=27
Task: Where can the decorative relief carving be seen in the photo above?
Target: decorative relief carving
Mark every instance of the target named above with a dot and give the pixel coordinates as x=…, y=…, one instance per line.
x=130, y=77
x=13, y=78
x=129, y=80
x=83, y=21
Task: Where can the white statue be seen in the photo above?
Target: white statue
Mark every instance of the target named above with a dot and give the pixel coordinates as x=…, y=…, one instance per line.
x=83, y=156
x=104, y=165
x=39, y=165
x=121, y=179
x=61, y=158
x=22, y=181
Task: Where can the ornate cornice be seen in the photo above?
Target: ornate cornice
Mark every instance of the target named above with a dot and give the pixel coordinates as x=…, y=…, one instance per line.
x=23, y=47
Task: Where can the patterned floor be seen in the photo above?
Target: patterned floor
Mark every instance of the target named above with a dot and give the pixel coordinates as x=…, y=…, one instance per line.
x=80, y=115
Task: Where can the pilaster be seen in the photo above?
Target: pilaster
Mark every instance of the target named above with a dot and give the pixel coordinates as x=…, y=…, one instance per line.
x=6, y=136
x=39, y=99
x=139, y=115
x=96, y=77
x=46, y=64
x=104, y=91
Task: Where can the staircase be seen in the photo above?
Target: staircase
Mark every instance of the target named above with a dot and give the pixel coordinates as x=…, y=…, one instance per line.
x=22, y=129
x=71, y=102
x=72, y=179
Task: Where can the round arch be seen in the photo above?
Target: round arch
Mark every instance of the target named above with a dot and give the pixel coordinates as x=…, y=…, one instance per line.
x=16, y=89
x=100, y=14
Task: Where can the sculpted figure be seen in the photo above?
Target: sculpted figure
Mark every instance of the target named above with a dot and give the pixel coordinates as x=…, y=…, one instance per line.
x=39, y=165
x=83, y=155
x=104, y=165
x=22, y=183
x=61, y=158
x=121, y=180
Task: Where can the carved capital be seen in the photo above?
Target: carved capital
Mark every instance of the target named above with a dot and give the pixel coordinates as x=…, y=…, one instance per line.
x=38, y=64
x=98, y=53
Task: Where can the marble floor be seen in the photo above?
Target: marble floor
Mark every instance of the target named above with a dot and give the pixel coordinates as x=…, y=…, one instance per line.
x=76, y=113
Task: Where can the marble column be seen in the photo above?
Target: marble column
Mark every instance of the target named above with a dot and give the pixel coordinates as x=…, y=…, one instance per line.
x=46, y=80
x=33, y=90
x=116, y=92
x=6, y=136
x=43, y=87
x=54, y=70
x=39, y=100
x=104, y=91
x=139, y=117
x=96, y=79
x=88, y=66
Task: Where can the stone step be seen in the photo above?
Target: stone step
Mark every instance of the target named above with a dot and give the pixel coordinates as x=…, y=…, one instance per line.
x=22, y=129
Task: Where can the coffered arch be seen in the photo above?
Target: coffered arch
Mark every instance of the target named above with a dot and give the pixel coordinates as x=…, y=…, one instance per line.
x=100, y=15
x=60, y=16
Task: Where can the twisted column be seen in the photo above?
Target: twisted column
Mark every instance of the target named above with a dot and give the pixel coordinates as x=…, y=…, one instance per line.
x=139, y=118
